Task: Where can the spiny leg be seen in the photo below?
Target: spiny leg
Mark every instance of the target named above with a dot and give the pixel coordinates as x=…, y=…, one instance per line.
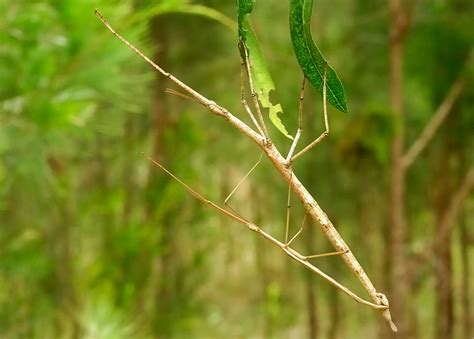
x=244, y=102
x=306, y=257
x=297, y=233
x=329, y=254
x=242, y=99
x=198, y=196
x=284, y=246
x=288, y=209
x=226, y=201
x=181, y=95
x=288, y=162
x=326, y=123
x=288, y=243
x=253, y=93
x=300, y=125
x=291, y=158
x=235, y=216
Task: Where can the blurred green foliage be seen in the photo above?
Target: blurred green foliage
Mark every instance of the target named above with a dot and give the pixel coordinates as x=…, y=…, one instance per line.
x=95, y=242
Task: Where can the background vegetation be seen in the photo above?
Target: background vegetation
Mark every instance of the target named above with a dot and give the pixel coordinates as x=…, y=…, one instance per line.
x=96, y=242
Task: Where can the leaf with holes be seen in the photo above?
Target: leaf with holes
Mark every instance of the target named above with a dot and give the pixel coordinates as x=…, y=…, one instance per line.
x=262, y=80
x=309, y=56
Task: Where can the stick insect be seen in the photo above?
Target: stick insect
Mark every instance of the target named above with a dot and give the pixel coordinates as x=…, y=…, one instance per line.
x=283, y=165
x=231, y=213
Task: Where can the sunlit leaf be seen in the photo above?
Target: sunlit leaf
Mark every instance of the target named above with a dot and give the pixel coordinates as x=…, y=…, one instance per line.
x=262, y=80
x=309, y=56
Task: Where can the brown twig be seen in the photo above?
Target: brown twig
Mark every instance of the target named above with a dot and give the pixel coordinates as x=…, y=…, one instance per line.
x=402, y=17
x=447, y=221
x=433, y=125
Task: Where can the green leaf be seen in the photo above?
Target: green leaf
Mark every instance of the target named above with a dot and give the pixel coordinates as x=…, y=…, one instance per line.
x=309, y=56
x=165, y=8
x=262, y=80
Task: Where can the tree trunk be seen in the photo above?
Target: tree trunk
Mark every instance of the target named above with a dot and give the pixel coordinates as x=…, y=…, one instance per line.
x=466, y=284
x=309, y=235
x=311, y=306
x=158, y=292
x=442, y=254
x=335, y=315
x=61, y=247
x=444, y=291
x=128, y=181
x=397, y=230
x=262, y=269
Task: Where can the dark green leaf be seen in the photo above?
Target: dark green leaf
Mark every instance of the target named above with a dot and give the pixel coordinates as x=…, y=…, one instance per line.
x=310, y=57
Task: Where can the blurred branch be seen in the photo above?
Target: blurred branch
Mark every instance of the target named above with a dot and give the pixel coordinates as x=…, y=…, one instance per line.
x=380, y=301
x=433, y=125
x=448, y=220
x=407, y=22
x=402, y=17
x=200, y=10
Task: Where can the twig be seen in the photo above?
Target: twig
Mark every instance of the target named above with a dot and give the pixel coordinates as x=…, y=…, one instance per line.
x=433, y=125
x=447, y=220
x=403, y=17
x=406, y=19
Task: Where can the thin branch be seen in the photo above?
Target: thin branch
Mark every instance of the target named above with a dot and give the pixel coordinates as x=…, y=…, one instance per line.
x=402, y=17
x=455, y=206
x=433, y=125
x=447, y=220
x=406, y=19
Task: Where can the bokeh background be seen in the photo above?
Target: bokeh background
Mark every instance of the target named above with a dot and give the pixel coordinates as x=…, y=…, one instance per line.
x=97, y=242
